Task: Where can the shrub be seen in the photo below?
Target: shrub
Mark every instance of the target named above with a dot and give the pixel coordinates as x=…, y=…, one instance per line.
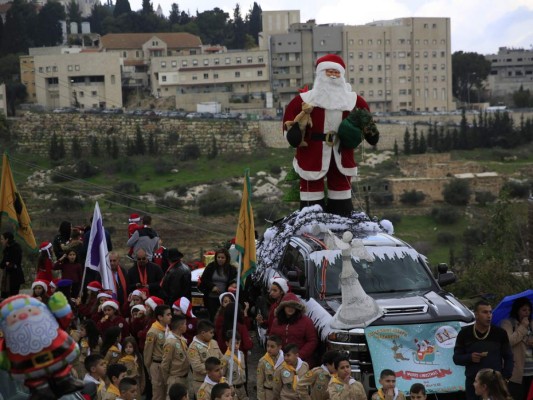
x=66, y=203
x=58, y=175
x=76, y=148
x=190, y=152
x=517, y=189
x=457, y=192
x=382, y=199
x=218, y=200
x=474, y=236
x=413, y=197
x=275, y=170
x=445, y=215
x=213, y=151
x=171, y=202
x=127, y=187
x=445, y=238
x=95, y=148
x=84, y=169
x=123, y=165
x=483, y=198
x=162, y=166
x=394, y=218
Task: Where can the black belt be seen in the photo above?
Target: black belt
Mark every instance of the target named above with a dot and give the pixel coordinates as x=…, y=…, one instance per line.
x=157, y=361
x=42, y=360
x=323, y=137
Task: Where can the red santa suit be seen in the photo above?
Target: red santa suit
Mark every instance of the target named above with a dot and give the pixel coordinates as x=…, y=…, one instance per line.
x=332, y=100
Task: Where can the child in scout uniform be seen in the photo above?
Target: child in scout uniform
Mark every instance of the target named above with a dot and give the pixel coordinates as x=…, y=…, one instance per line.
x=287, y=375
x=96, y=369
x=417, y=392
x=128, y=389
x=202, y=347
x=111, y=347
x=115, y=373
x=132, y=359
x=266, y=367
x=388, y=390
x=175, y=364
x=213, y=367
x=153, y=350
x=178, y=392
x=238, y=380
x=221, y=391
x=342, y=386
x=314, y=385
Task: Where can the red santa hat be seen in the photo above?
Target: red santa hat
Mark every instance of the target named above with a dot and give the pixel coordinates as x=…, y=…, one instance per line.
x=134, y=217
x=139, y=307
x=94, y=286
x=104, y=295
x=46, y=246
x=282, y=283
x=40, y=282
x=330, y=61
x=54, y=282
x=184, y=305
x=111, y=303
x=153, y=302
x=221, y=297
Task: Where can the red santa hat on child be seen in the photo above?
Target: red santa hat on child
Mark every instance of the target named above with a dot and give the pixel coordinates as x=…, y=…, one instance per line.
x=94, y=286
x=139, y=293
x=222, y=295
x=330, y=61
x=153, y=302
x=184, y=305
x=134, y=217
x=139, y=307
x=40, y=282
x=104, y=294
x=111, y=303
x=46, y=246
x=282, y=283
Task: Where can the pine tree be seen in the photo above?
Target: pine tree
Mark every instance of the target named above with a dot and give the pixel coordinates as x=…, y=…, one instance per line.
x=395, y=149
x=254, y=22
x=422, y=146
x=406, y=142
x=95, y=150
x=54, y=148
x=121, y=7
x=414, y=145
x=147, y=7
x=114, y=148
x=76, y=148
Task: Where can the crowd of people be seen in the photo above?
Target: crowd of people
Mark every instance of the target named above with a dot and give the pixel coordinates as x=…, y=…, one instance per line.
x=141, y=337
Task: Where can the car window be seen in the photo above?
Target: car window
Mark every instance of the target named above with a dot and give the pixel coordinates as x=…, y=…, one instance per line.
x=293, y=266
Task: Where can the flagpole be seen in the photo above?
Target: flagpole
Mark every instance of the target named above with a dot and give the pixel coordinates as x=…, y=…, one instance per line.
x=234, y=331
x=82, y=282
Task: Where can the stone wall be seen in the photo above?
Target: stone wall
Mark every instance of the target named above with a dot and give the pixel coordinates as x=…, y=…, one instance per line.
x=34, y=131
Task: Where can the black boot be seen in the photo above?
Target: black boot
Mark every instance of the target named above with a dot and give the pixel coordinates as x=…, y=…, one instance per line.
x=66, y=384
x=342, y=207
x=41, y=391
x=308, y=203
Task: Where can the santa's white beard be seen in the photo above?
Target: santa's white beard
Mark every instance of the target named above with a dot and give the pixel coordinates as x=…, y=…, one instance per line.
x=330, y=94
x=31, y=335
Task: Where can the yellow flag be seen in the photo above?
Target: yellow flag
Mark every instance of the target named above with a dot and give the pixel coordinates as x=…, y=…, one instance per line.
x=12, y=205
x=245, y=237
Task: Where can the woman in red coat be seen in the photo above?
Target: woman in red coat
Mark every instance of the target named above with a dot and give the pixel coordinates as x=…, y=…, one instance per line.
x=293, y=326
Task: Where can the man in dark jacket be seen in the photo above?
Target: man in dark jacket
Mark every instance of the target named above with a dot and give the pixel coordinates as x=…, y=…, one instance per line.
x=482, y=345
x=120, y=279
x=177, y=280
x=145, y=238
x=145, y=274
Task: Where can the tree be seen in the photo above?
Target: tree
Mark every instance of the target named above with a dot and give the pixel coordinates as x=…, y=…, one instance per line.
x=468, y=70
x=76, y=148
x=457, y=192
x=121, y=7
x=422, y=146
x=413, y=197
x=16, y=93
x=174, y=16
x=396, y=151
x=147, y=7
x=522, y=98
x=98, y=14
x=254, y=22
x=406, y=142
x=19, y=28
x=239, y=30
x=48, y=29
x=213, y=26
x=73, y=12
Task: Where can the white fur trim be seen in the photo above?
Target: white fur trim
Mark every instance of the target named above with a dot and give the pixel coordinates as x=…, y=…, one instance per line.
x=139, y=307
x=39, y=283
x=151, y=303
x=137, y=293
x=311, y=196
x=281, y=282
x=330, y=65
x=339, y=194
x=111, y=304
x=103, y=294
x=224, y=295
x=48, y=246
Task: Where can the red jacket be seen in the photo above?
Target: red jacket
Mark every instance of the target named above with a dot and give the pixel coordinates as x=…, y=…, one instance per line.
x=246, y=340
x=117, y=321
x=302, y=333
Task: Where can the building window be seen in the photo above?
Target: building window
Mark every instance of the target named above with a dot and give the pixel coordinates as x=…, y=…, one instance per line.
x=194, y=78
x=361, y=68
x=112, y=79
x=370, y=67
x=238, y=60
x=434, y=67
x=216, y=61
x=206, y=76
x=163, y=64
x=360, y=55
x=93, y=93
x=426, y=42
x=380, y=80
x=387, y=41
x=174, y=63
x=259, y=73
x=369, y=42
x=370, y=93
x=402, y=92
x=192, y=52
x=206, y=61
x=184, y=63
x=401, y=54
x=352, y=81
x=163, y=78
x=69, y=68
x=369, y=54
x=402, y=67
x=361, y=81
x=362, y=92
x=137, y=53
x=360, y=41
x=322, y=42
x=47, y=69
x=124, y=54
x=215, y=76
x=81, y=94
x=434, y=54
x=401, y=41
x=260, y=59
x=237, y=74
x=41, y=70
x=350, y=55
x=370, y=80
x=249, y=60
x=425, y=26
x=380, y=92
x=195, y=62
x=227, y=60
x=350, y=42
x=443, y=67
x=352, y=68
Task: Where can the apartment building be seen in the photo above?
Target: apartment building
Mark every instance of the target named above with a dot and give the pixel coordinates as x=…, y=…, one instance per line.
x=401, y=64
x=510, y=69
x=139, y=50
x=84, y=80
x=276, y=22
x=228, y=77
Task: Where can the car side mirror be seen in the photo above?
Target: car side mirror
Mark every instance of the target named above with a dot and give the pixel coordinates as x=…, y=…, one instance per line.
x=446, y=278
x=442, y=268
x=292, y=276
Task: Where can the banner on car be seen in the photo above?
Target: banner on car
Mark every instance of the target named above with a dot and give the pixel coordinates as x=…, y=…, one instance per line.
x=419, y=353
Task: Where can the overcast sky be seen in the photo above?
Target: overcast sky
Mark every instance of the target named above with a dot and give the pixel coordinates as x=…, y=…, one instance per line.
x=477, y=25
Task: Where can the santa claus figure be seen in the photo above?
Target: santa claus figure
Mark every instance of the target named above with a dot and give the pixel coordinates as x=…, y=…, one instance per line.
x=321, y=152
x=35, y=348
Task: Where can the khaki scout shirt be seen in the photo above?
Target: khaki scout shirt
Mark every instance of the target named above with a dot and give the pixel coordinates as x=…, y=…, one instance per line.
x=314, y=384
x=175, y=360
x=199, y=352
x=239, y=368
x=153, y=346
x=284, y=380
x=265, y=373
x=339, y=390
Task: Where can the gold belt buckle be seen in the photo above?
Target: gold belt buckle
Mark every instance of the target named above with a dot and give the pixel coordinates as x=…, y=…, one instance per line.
x=330, y=138
x=42, y=359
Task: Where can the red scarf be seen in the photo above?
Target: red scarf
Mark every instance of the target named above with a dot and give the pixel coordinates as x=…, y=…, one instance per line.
x=143, y=275
x=122, y=279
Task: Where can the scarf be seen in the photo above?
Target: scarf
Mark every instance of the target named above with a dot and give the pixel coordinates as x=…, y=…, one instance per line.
x=335, y=379
x=382, y=395
x=122, y=280
x=128, y=358
x=157, y=325
x=143, y=275
x=212, y=382
x=237, y=360
x=278, y=361
x=208, y=345
x=113, y=390
x=294, y=372
x=182, y=340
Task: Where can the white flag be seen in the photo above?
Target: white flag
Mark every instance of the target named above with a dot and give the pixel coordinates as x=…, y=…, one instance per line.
x=97, y=254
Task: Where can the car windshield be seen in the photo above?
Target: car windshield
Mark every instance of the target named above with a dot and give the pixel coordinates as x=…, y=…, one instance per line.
x=395, y=270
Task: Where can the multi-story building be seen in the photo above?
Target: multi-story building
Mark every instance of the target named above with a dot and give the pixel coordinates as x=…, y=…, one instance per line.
x=83, y=80
x=227, y=77
x=276, y=22
x=3, y=100
x=510, y=69
x=402, y=64
x=139, y=50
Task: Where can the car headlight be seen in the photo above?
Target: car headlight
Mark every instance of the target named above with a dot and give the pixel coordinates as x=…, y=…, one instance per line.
x=339, y=337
